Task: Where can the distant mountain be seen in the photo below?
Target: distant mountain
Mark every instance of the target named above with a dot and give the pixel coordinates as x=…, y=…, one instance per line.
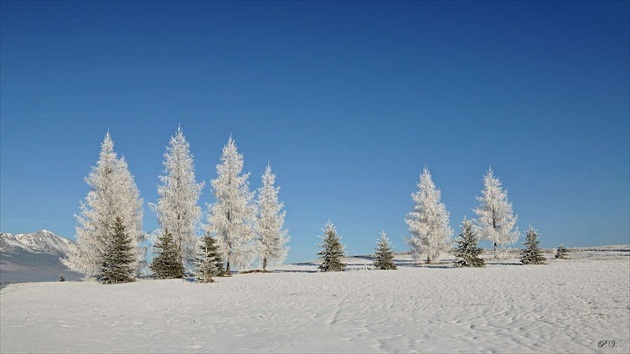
x=34, y=257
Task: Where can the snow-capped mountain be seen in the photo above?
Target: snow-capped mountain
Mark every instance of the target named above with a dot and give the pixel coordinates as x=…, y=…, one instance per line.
x=34, y=256
x=43, y=242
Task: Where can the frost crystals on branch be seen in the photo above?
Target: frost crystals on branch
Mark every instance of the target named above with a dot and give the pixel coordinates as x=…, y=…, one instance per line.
x=271, y=237
x=428, y=222
x=495, y=220
x=383, y=256
x=177, y=208
x=332, y=250
x=113, y=194
x=232, y=216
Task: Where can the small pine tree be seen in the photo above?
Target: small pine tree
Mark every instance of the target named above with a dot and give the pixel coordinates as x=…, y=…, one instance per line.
x=532, y=254
x=168, y=262
x=209, y=261
x=332, y=250
x=466, y=250
x=561, y=252
x=383, y=256
x=61, y=278
x=119, y=258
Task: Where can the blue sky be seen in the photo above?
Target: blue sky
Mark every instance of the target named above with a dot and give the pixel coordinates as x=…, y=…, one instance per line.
x=347, y=100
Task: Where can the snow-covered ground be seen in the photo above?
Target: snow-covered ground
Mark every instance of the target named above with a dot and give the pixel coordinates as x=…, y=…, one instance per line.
x=564, y=306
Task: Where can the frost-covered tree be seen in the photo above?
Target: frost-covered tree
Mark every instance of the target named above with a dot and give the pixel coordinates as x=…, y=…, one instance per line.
x=532, y=254
x=209, y=261
x=383, y=256
x=495, y=220
x=167, y=264
x=428, y=222
x=119, y=257
x=561, y=252
x=271, y=237
x=332, y=250
x=233, y=215
x=466, y=252
x=177, y=208
x=131, y=210
x=113, y=194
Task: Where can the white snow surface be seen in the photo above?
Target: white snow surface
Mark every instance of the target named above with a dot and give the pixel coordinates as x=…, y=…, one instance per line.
x=564, y=306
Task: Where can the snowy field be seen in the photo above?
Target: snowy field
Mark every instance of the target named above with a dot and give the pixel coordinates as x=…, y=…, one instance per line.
x=564, y=306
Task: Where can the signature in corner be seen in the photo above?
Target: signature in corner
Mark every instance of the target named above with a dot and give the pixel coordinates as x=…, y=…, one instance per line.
x=606, y=344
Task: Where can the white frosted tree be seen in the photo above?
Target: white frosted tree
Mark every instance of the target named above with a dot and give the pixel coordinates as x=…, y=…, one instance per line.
x=495, y=219
x=233, y=215
x=430, y=233
x=271, y=237
x=131, y=209
x=113, y=194
x=177, y=209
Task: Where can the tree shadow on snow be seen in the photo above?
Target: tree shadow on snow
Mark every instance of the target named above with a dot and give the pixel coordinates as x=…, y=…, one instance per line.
x=430, y=266
x=294, y=271
x=503, y=263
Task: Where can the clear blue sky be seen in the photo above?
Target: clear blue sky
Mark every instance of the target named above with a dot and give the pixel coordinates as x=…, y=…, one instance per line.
x=348, y=101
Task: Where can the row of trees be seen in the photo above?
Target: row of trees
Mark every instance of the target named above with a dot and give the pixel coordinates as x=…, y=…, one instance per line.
x=466, y=251
x=429, y=224
x=333, y=251
x=240, y=230
x=431, y=234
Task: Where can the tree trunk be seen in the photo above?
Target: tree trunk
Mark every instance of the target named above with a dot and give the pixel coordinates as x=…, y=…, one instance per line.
x=428, y=259
x=494, y=227
x=265, y=264
x=227, y=268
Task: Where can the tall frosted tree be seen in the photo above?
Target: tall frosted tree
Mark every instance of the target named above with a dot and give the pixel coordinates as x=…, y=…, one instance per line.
x=495, y=219
x=131, y=209
x=177, y=208
x=113, y=194
x=428, y=222
x=233, y=215
x=271, y=237
x=332, y=250
x=383, y=256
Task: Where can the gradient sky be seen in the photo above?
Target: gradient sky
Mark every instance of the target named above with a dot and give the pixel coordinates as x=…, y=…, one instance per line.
x=348, y=101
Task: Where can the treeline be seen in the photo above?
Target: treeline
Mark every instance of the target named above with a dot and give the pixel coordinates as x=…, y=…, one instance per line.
x=242, y=226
